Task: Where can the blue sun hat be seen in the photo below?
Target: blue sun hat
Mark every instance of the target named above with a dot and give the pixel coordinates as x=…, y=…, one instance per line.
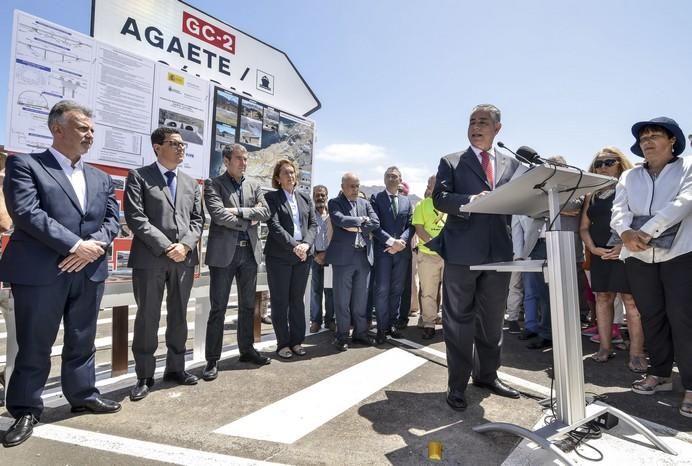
x=669, y=125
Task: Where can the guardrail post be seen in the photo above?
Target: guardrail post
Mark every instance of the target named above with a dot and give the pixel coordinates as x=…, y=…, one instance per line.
x=202, y=307
x=120, y=345
x=260, y=307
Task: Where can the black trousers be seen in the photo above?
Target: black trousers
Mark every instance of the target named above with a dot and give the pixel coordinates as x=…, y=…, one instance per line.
x=148, y=286
x=287, y=284
x=473, y=309
x=75, y=300
x=663, y=293
x=244, y=269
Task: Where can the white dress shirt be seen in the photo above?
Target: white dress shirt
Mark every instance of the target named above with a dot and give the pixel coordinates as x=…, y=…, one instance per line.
x=163, y=171
x=291, y=198
x=75, y=175
x=491, y=152
x=668, y=199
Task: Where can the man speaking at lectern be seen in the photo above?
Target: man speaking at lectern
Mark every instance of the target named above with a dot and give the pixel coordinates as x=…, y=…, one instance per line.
x=473, y=301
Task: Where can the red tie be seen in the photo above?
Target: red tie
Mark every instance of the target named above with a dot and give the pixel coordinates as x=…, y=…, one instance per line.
x=487, y=168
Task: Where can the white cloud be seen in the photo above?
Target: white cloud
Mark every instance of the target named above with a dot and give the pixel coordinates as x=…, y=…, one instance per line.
x=353, y=154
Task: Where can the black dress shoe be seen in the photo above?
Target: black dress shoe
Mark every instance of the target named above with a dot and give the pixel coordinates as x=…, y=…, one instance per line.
x=543, y=343
x=428, y=333
x=98, y=405
x=527, y=334
x=340, y=345
x=141, y=389
x=381, y=337
x=394, y=333
x=211, y=371
x=364, y=340
x=498, y=388
x=21, y=430
x=255, y=357
x=401, y=325
x=456, y=402
x=182, y=378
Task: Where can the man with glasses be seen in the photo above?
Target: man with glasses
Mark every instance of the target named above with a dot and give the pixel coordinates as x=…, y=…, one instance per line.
x=163, y=208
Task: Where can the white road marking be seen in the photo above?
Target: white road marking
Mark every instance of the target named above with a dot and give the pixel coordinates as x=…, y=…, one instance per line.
x=136, y=448
x=295, y=416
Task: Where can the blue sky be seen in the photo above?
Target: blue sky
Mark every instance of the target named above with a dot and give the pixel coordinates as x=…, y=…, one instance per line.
x=397, y=78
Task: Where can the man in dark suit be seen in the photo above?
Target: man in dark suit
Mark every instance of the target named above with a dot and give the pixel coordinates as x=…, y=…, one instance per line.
x=351, y=256
x=163, y=209
x=234, y=250
x=473, y=302
x=65, y=215
x=392, y=254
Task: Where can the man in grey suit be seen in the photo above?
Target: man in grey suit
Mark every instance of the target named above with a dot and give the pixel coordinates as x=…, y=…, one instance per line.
x=350, y=253
x=163, y=208
x=473, y=302
x=236, y=207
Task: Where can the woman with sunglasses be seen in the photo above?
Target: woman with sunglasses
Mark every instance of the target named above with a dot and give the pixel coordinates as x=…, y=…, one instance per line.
x=608, y=277
x=652, y=213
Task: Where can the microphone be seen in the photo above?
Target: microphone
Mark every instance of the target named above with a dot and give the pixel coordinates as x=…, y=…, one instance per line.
x=521, y=157
x=530, y=154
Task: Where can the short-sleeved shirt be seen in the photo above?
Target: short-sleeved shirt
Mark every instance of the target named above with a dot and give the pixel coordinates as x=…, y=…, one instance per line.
x=431, y=219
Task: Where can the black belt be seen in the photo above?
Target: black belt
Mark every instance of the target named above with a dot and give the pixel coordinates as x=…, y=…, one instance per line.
x=243, y=243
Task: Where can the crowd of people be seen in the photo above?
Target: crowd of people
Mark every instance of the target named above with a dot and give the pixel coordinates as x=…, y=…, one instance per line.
x=635, y=239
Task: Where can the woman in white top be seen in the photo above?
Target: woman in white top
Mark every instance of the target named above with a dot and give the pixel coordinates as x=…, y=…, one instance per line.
x=652, y=213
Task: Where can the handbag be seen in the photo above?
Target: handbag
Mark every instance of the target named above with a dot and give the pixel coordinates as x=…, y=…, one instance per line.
x=664, y=240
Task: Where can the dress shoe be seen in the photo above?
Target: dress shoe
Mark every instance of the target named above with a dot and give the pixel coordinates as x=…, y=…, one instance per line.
x=254, y=357
x=498, y=388
x=513, y=327
x=456, y=402
x=394, y=333
x=182, y=378
x=527, y=334
x=141, y=389
x=401, y=325
x=21, y=430
x=331, y=326
x=98, y=405
x=541, y=343
x=340, y=345
x=211, y=372
x=298, y=350
x=267, y=320
x=381, y=337
x=428, y=333
x=364, y=340
x=314, y=327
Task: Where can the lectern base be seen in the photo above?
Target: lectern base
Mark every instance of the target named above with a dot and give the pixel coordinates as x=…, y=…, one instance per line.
x=546, y=436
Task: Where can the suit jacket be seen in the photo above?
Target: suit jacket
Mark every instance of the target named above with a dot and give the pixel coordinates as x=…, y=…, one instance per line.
x=157, y=221
x=280, y=241
x=525, y=234
x=342, y=215
x=471, y=239
x=48, y=219
x=220, y=194
x=397, y=226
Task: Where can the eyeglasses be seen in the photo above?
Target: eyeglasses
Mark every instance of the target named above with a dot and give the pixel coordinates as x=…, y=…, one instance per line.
x=607, y=163
x=176, y=144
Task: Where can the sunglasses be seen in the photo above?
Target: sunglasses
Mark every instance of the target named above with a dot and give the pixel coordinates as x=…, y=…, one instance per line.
x=607, y=163
x=176, y=144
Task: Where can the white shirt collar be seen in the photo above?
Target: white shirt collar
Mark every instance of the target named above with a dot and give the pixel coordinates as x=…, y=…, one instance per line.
x=64, y=162
x=391, y=194
x=163, y=170
x=289, y=196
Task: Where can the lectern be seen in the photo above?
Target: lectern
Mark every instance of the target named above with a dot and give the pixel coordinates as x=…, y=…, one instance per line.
x=545, y=188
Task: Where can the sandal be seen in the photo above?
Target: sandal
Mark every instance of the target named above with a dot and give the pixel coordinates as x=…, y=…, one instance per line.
x=285, y=353
x=299, y=350
x=686, y=406
x=603, y=355
x=652, y=384
x=638, y=364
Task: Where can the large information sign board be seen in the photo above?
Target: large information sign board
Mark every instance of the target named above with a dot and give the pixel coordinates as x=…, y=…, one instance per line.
x=189, y=39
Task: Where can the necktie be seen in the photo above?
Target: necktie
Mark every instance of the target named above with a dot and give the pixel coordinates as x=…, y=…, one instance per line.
x=170, y=181
x=395, y=203
x=487, y=168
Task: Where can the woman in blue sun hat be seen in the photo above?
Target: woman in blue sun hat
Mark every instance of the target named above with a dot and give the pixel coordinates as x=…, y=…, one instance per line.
x=652, y=213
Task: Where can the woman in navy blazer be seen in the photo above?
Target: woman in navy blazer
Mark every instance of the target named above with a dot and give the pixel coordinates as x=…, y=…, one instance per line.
x=288, y=251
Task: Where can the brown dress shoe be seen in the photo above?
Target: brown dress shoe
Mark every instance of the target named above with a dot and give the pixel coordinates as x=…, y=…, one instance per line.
x=314, y=327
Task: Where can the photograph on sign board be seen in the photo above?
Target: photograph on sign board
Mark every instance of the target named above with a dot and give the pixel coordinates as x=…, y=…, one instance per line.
x=191, y=129
x=270, y=127
x=298, y=137
x=226, y=108
x=225, y=134
x=250, y=131
x=251, y=110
